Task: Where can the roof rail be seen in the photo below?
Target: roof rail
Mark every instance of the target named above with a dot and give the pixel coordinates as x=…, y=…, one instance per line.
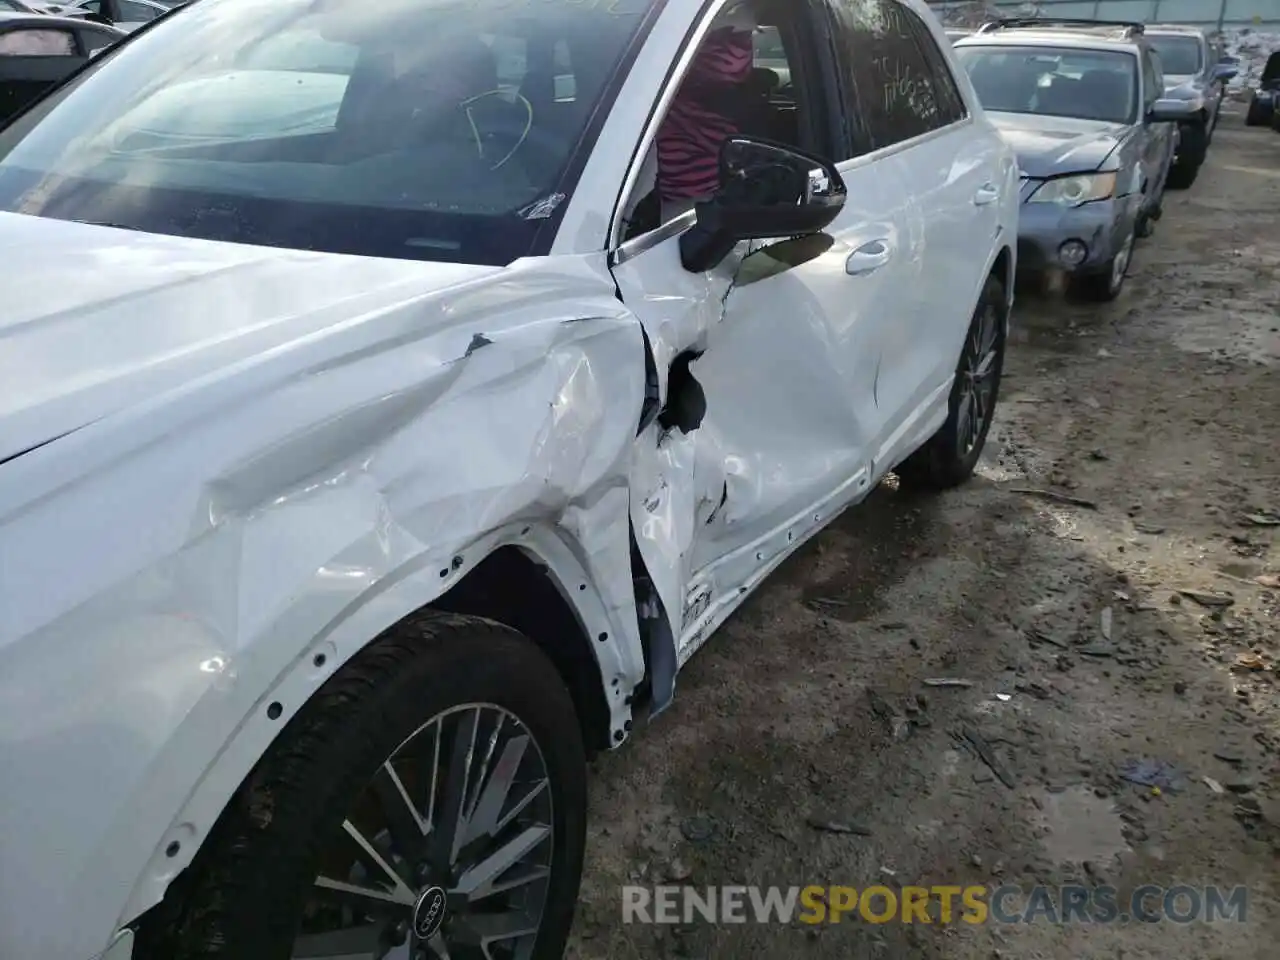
x=1130, y=27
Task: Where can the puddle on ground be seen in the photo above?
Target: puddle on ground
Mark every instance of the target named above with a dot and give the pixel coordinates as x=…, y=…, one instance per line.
x=1080, y=826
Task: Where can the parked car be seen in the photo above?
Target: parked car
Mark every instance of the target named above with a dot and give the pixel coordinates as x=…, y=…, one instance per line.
x=359, y=478
x=21, y=6
x=38, y=50
x=126, y=15
x=1195, y=76
x=1079, y=101
x=1262, y=102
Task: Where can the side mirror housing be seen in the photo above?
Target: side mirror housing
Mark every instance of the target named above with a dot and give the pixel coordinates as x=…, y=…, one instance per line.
x=1169, y=111
x=1225, y=71
x=766, y=190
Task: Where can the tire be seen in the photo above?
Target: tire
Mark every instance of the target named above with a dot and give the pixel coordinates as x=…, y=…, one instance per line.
x=1105, y=284
x=1182, y=176
x=1256, y=115
x=408, y=698
x=948, y=458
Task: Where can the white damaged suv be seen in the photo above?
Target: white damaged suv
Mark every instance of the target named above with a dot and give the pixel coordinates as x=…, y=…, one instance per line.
x=395, y=395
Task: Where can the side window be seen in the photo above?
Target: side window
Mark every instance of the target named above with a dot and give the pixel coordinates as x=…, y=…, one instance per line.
x=1152, y=80
x=37, y=42
x=898, y=93
x=95, y=41
x=93, y=6
x=136, y=12
x=950, y=104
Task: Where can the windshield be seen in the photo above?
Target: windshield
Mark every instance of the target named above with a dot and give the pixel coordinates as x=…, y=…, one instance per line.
x=416, y=129
x=1178, y=55
x=1055, y=82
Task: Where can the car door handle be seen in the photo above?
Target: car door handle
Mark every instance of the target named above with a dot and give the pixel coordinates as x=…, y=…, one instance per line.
x=869, y=257
x=987, y=193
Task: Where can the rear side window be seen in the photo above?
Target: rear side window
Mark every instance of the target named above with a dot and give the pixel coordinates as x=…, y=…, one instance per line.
x=137, y=12
x=37, y=43
x=95, y=41
x=900, y=81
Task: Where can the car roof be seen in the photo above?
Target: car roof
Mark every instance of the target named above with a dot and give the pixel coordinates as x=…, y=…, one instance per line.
x=1074, y=39
x=1177, y=29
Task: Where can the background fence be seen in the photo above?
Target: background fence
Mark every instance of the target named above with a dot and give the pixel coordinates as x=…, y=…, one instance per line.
x=1225, y=16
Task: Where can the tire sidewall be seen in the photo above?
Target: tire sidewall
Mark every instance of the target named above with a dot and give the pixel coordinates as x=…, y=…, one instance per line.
x=273, y=867
x=993, y=295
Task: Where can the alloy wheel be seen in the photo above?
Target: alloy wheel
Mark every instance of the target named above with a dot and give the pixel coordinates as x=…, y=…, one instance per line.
x=978, y=376
x=445, y=855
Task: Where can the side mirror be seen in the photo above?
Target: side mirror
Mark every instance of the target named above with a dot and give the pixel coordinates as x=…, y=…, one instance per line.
x=766, y=190
x=1225, y=71
x=1169, y=111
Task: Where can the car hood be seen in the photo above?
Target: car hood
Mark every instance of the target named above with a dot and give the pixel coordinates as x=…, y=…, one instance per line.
x=97, y=320
x=1048, y=146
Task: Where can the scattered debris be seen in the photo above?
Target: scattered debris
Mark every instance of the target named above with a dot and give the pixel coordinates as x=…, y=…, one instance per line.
x=1152, y=773
x=1213, y=785
x=1055, y=497
x=1262, y=519
x=677, y=871
x=1004, y=697
x=1229, y=755
x=1269, y=580
x=1249, y=662
x=1151, y=529
x=899, y=726
x=1106, y=622
x=825, y=603
x=1039, y=636
x=1241, y=784
x=947, y=682
x=1207, y=599
x=1097, y=650
x=838, y=826
x=697, y=829
x=987, y=755
x=1098, y=455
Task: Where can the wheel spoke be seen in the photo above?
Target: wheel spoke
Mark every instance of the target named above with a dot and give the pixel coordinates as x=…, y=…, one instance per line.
x=492, y=796
x=406, y=826
x=447, y=831
x=485, y=930
x=482, y=880
x=963, y=412
x=990, y=332
x=985, y=365
x=366, y=899
x=353, y=943
x=375, y=864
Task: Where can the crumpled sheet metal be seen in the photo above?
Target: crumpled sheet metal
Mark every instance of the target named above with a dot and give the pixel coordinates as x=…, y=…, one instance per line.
x=147, y=609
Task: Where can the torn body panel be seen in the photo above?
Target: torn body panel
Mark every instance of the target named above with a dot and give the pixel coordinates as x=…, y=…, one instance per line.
x=717, y=503
x=177, y=564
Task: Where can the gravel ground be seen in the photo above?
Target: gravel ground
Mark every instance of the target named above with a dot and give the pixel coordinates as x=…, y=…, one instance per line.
x=1159, y=414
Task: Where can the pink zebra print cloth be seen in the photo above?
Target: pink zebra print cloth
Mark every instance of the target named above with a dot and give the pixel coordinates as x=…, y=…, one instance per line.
x=696, y=125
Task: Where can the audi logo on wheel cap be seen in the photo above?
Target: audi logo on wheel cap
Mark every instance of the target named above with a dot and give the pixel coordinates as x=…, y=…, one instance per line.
x=428, y=912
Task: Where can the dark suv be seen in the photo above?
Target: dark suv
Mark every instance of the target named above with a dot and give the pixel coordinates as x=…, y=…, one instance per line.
x=1195, y=75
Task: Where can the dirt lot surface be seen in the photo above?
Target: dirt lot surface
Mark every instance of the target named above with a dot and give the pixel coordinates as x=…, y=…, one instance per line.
x=1160, y=413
